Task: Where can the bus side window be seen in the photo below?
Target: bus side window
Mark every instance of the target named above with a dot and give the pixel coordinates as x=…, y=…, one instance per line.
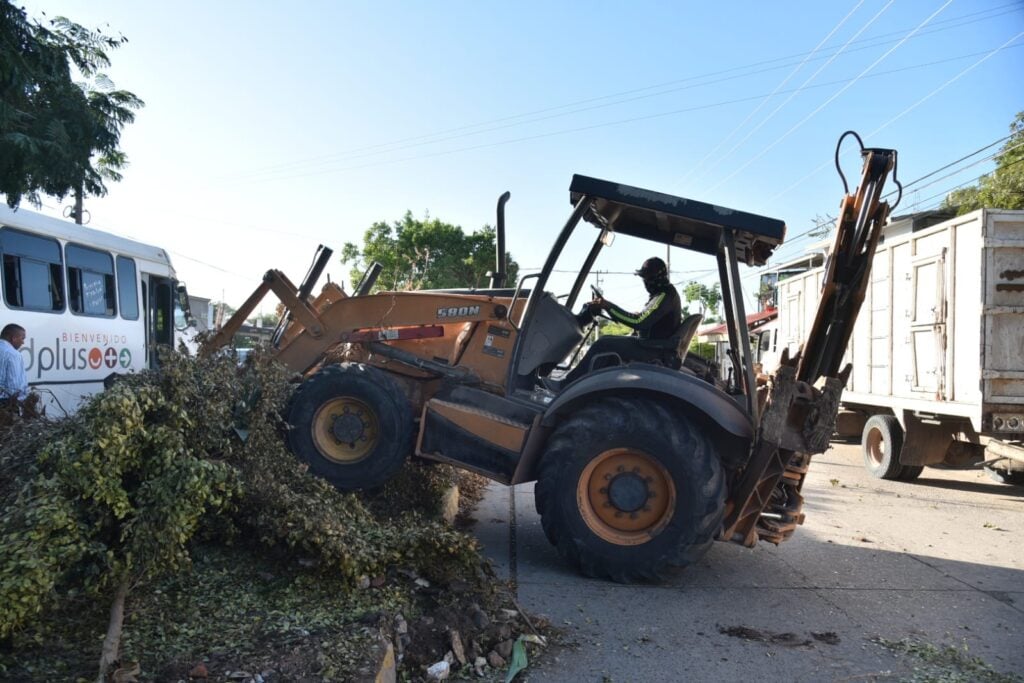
x=90, y=281
x=32, y=271
x=126, y=291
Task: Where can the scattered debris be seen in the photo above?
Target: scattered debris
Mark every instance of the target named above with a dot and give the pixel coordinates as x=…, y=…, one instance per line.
x=438, y=671
x=827, y=637
x=946, y=663
x=127, y=674
x=457, y=649
x=747, y=633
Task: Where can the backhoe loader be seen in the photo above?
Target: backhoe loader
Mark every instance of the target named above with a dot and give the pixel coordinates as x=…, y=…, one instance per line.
x=639, y=467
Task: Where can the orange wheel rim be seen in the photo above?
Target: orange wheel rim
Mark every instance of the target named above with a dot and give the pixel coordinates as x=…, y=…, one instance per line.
x=625, y=496
x=345, y=430
x=876, y=446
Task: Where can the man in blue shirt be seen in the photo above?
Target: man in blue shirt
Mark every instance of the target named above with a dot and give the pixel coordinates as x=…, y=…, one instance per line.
x=13, y=382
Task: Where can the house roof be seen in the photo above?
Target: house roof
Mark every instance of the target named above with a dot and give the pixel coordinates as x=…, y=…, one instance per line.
x=754, y=320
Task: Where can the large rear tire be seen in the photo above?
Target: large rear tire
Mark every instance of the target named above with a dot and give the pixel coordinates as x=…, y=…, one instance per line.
x=352, y=424
x=881, y=444
x=628, y=489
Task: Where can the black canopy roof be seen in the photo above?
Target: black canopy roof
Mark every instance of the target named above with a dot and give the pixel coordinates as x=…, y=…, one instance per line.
x=681, y=222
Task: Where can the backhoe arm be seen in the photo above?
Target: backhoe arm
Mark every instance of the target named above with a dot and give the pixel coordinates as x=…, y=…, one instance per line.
x=803, y=397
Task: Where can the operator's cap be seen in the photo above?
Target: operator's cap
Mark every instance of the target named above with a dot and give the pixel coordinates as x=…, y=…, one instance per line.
x=652, y=269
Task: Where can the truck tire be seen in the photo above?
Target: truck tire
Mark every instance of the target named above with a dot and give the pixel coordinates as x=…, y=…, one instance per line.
x=881, y=444
x=352, y=424
x=629, y=488
x=910, y=472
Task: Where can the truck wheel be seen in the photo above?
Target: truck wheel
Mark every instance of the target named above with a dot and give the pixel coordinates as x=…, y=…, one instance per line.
x=352, y=425
x=910, y=472
x=628, y=488
x=881, y=444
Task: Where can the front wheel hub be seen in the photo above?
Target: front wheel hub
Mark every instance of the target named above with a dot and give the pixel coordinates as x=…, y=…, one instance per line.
x=345, y=430
x=628, y=492
x=625, y=496
x=347, y=427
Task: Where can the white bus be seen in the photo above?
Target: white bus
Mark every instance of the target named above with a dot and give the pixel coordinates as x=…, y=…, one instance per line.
x=92, y=304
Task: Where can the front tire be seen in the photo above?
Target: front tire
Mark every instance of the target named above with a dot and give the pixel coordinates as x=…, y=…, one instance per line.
x=352, y=424
x=628, y=489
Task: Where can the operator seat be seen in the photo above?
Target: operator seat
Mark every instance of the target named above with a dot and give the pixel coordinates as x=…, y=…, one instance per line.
x=685, y=334
x=678, y=344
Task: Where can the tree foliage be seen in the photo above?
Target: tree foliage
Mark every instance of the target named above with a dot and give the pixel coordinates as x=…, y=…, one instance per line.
x=58, y=136
x=426, y=254
x=707, y=298
x=1004, y=187
x=113, y=497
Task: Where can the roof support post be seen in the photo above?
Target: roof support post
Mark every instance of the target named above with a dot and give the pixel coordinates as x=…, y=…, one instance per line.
x=736, y=320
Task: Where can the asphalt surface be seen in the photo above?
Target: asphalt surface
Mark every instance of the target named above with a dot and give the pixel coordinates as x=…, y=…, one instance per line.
x=938, y=561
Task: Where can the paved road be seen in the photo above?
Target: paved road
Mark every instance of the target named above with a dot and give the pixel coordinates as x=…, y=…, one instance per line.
x=939, y=561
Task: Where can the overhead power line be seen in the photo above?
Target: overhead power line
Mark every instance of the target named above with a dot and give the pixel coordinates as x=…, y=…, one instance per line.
x=798, y=90
x=603, y=100
x=987, y=55
x=970, y=165
x=605, y=124
x=835, y=95
x=952, y=163
x=714, y=150
x=947, y=191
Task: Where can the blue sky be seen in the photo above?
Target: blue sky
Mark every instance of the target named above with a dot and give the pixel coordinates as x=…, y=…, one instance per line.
x=269, y=129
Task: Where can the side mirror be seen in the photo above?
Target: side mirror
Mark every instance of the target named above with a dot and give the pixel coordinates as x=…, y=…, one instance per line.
x=185, y=320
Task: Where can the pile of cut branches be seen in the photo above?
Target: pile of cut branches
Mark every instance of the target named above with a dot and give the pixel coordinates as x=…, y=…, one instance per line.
x=146, y=514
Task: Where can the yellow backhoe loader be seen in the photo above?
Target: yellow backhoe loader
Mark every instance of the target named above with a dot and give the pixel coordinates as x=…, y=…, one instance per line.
x=639, y=466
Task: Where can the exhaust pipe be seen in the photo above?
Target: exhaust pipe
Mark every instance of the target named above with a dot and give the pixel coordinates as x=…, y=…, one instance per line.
x=500, y=273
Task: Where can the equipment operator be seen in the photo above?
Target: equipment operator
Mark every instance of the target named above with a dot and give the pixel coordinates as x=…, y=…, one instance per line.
x=659, y=319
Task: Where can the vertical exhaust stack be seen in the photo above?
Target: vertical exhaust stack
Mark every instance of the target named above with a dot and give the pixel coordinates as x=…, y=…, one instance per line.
x=500, y=266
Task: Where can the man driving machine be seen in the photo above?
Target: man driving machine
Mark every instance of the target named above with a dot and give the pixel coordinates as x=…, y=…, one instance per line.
x=659, y=319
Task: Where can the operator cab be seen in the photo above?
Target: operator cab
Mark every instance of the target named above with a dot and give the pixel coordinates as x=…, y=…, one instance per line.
x=549, y=331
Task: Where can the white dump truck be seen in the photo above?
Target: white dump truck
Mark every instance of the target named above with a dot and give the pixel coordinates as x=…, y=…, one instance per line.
x=938, y=348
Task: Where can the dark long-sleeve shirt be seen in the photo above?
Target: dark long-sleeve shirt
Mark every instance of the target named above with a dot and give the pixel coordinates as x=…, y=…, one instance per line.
x=659, y=319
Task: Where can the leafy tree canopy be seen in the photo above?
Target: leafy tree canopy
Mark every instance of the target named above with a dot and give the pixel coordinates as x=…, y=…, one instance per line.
x=707, y=299
x=58, y=136
x=425, y=254
x=1001, y=189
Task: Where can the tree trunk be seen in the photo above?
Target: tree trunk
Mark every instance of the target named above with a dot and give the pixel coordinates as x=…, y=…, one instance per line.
x=78, y=206
x=112, y=641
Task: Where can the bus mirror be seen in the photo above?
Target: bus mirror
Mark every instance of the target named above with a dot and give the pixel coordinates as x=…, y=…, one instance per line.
x=183, y=311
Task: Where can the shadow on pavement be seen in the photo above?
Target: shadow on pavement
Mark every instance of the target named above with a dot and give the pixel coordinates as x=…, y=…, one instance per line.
x=972, y=486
